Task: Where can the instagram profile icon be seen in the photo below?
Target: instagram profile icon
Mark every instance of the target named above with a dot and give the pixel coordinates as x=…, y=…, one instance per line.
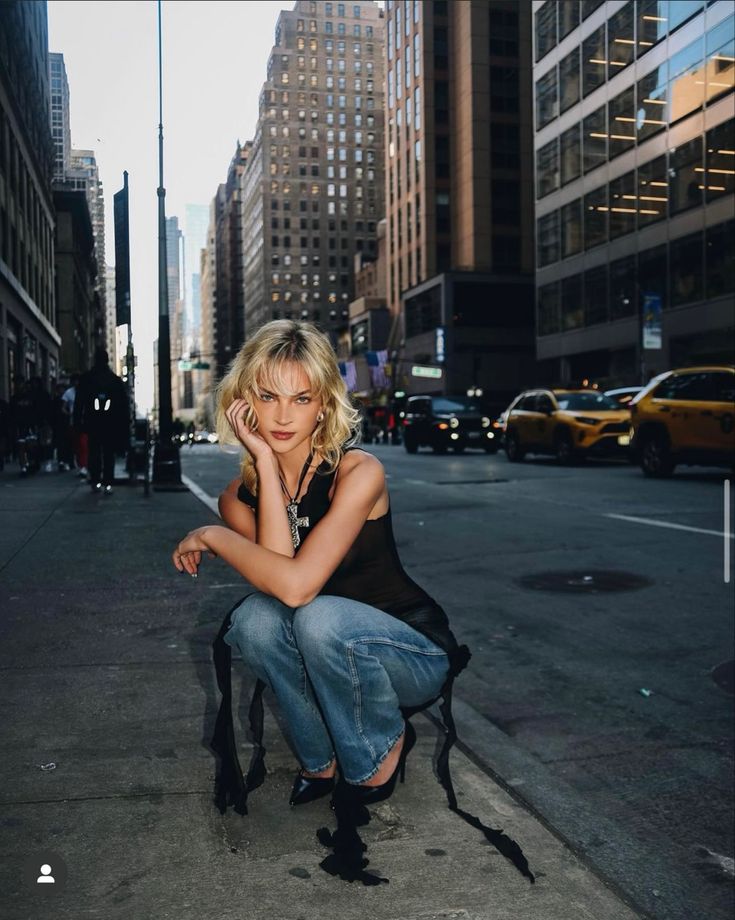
x=44, y=872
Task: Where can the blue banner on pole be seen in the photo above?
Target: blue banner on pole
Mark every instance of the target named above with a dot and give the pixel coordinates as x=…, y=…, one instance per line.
x=652, y=338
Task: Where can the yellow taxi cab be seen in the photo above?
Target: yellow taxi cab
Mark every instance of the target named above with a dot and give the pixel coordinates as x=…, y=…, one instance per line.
x=686, y=416
x=568, y=423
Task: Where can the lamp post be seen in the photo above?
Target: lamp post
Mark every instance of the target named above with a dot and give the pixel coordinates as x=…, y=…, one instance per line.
x=166, y=461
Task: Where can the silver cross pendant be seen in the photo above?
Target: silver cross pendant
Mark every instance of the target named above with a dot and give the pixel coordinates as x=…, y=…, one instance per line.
x=295, y=522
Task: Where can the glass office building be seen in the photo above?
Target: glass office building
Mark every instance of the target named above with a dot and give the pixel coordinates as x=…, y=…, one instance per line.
x=635, y=169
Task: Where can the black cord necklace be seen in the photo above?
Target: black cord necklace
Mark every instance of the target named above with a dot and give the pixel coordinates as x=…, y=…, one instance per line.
x=292, y=509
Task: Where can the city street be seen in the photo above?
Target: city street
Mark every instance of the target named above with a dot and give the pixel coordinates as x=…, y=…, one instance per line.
x=597, y=707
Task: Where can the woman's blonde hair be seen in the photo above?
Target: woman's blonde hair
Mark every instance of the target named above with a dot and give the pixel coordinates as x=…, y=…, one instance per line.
x=259, y=365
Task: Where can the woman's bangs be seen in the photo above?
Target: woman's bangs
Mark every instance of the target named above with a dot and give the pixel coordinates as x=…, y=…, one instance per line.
x=277, y=376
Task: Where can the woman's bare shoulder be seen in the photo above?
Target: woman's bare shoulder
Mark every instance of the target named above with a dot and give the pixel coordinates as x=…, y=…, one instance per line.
x=359, y=457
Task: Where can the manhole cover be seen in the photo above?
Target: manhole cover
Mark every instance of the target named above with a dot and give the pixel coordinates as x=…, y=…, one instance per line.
x=724, y=676
x=589, y=580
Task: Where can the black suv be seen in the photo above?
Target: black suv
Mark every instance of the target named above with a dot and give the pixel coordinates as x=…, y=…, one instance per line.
x=448, y=421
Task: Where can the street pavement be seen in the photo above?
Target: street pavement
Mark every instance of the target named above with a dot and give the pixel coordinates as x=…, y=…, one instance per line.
x=109, y=703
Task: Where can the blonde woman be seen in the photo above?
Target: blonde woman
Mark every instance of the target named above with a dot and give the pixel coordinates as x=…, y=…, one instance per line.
x=348, y=643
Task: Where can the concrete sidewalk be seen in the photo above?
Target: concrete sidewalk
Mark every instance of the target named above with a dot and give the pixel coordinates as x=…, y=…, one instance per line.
x=107, y=674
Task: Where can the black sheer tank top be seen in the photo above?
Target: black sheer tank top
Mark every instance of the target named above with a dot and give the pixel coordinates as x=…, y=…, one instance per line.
x=371, y=572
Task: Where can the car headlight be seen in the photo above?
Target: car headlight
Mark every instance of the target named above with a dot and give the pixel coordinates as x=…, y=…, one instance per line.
x=485, y=422
x=585, y=420
x=454, y=423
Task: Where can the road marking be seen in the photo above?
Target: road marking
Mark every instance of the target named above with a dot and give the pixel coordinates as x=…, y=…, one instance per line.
x=199, y=493
x=639, y=520
x=727, y=535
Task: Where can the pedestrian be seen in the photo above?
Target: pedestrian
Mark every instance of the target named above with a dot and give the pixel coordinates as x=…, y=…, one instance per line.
x=349, y=644
x=61, y=425
x=25, y=420
x=101, y=412
x=78, y=437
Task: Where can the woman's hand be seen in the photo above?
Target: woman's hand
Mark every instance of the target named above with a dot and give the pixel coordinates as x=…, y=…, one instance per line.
x=188, y=554
x=250, y=440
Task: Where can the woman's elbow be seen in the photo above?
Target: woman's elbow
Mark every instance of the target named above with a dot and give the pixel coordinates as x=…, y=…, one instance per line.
x=298, y=596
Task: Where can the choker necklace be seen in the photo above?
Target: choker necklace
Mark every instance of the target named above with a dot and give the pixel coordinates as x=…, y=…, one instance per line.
x=292, y=509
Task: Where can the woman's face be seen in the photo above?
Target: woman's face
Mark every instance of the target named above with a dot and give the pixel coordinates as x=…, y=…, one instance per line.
x=287, y=416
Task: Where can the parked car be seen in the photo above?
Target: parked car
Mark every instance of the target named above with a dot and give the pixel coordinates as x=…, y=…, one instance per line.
x=205, y=437
x=623, y=395
x=686, y=416
x=570, y=424
x=441, y=422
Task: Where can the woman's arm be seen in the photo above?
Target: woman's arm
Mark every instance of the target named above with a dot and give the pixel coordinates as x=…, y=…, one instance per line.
x=295, y=581
x=236, y=514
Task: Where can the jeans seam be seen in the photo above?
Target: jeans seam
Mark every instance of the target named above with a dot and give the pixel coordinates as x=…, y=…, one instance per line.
x=381, y=640
x=357, y=696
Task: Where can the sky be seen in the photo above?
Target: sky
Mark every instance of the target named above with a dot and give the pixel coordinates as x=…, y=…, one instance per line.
x=214, y=63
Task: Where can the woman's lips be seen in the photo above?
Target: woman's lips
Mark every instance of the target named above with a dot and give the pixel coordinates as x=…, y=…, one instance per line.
x=282, y=435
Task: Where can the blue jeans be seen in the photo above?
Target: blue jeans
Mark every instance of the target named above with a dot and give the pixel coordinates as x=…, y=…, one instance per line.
x=340, y=671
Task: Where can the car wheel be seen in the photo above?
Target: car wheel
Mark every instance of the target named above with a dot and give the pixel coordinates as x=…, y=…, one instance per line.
x=513, y=450
x=458, y=448
x=563, y=448
x=440, y=448
x=656, y=460
x=410, y=445
x=491, y=449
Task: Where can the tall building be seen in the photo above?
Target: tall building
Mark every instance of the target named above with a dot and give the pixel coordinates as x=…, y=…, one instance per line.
x=176, y=309
x=459, y=207
x=312, y=190
x=635, y=162
x=29, y=337
x=111, y=340
x=60, y=116
x=196, y=221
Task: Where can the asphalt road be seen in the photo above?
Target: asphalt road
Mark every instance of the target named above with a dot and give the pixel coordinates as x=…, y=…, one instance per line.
x=596, y=707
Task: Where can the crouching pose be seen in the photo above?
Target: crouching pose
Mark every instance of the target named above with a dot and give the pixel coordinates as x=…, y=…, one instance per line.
x=349, y=644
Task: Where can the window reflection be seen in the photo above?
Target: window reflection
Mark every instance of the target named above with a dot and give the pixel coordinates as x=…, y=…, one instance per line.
x=653, y=274
x=594, y=61
x=595, y=295
x=719, y=178
x=568, y=17
x=621, y=121
x=546, y=99
x=681, y=10
x=623, y=205
x=686, y=80
x=720, y=259
x=548, y=239
x=651, y=113
x=720, y=66
x=570, y=155
x=622, y=287
x=653, y=191
x=687, y=277
x=594, y=133
x=569, y=80
x=547, y=169
x=652, y=23
x=620, y=39
x=572, y=309
x=545, y=28
x=686, y=169
x=548, y=309
x=595, y=217
x=571, y=228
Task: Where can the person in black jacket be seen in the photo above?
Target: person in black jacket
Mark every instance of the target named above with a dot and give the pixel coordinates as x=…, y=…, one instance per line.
x=101, y=411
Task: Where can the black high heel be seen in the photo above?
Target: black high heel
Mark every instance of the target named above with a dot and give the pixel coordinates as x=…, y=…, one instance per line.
x=308, y=789
x=369, y=795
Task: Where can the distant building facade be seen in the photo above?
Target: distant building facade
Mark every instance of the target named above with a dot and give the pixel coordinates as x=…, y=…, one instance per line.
x=459, y=206
x=312, y=189
x=29, y=335
x=635, y=164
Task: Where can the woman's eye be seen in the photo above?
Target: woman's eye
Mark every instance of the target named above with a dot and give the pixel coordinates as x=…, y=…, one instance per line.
x=303, y=400
x=266, y=397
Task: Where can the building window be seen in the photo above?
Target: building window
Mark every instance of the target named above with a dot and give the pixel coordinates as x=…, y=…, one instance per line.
x=681, y=10
x=653, y=191
x=594, y=139
x=594, y=298
x=569, y=80
x=547, y=101
x=595, y=217
x=651, y=111
x=570, y=154
x=546, y=35
x=686, y=80
x=719, y=179
x=548, y=309
x=623, y=205
x=686, y=168
x=621, y=120
x=653, y=274
x=547, y=168
x=620, y=39
x=652, y=23
x=572, y=308
x=548, y=239
x=687, y=275
x=623, y=294
x=594, y=61
x=568, y=18
x=720, y=259
x=571, y=228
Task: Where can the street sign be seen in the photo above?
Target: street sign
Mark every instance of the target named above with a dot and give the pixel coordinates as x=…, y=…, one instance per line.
x=184, y=365
x=418, y=370
x=439, y=345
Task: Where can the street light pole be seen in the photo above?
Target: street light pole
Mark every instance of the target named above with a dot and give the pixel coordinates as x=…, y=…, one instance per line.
x=166, y=462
